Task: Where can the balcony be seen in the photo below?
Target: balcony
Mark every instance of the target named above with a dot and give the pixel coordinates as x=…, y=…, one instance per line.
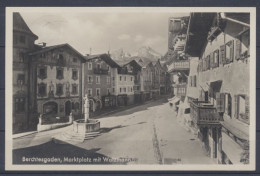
x=179, y=65
x=204, y=113
x=100, y=71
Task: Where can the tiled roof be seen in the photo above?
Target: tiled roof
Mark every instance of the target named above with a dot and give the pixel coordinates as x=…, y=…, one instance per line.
x=49, y=48
x=105, y=57
x=20, y=25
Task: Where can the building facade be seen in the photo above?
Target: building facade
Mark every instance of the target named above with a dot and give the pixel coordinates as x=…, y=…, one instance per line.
x=56, y=81
x=100, y=72
x=221, y=112
x=23, y=42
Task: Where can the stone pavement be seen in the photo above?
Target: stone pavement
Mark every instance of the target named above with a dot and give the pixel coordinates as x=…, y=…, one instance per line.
x=177, y=144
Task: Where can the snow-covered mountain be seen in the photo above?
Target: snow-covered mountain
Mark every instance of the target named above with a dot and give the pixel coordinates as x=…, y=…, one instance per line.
x=148, y=52
x=121, y=56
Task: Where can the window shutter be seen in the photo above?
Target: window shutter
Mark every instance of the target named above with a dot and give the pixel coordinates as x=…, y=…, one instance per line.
x=195, y=81
x=222, y=54
x=236, y=107
x=238, y=48
x=220, y=105
x=247, y=108
x=217, y=56
x=229, y=105
x=231, y=50
x=212, y=60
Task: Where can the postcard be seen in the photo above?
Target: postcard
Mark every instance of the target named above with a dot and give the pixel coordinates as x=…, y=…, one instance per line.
x=143, y=88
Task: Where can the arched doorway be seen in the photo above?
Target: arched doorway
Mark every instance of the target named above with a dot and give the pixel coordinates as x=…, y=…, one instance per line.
x=67, y=108
x=50, y=108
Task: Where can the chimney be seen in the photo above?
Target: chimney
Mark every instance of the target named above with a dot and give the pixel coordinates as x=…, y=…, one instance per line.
x=42, y=44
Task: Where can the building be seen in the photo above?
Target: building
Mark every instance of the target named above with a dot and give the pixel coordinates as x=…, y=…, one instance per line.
x=124, y=91
x=23, y=42
x=146, y=79
x=100, y=74
x=55, y=75
x=135, y=68
x=221, y=112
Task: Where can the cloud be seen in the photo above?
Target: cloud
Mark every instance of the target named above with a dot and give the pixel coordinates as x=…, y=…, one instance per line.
x=124, y=37
x=138, y=38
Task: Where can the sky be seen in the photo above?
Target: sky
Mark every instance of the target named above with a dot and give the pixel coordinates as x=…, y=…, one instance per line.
x=102, y=31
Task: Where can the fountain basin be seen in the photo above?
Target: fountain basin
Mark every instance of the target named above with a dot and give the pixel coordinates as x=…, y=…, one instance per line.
x=80, y=126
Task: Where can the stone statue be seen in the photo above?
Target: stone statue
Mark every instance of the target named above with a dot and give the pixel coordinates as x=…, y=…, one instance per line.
x=51, y=88
x=67, y=89
x=86, y=108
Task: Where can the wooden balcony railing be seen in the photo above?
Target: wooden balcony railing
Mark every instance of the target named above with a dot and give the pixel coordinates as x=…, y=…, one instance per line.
x=100, y=71
x=204, y=113
x=179, y=65
x=181, y=89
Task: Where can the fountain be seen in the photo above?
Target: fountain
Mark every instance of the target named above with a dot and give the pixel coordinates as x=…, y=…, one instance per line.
x=83, y=129
x=86, y=126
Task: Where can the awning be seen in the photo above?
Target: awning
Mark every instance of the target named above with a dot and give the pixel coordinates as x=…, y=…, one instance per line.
x=175, y=100
x=231, y=149
x=204, y=86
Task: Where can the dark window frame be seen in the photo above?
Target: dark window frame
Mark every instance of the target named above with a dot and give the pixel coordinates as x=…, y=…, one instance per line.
x=42, y=89
x=74, y=89
x=59, y=73
x=74, y=74
x=59, y=89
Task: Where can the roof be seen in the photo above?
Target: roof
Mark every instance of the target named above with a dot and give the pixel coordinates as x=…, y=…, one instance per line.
x=20, y=25
x=49, y=48
x=199, y=26
x=105, y=57
x=242, y=17
x=134, y=62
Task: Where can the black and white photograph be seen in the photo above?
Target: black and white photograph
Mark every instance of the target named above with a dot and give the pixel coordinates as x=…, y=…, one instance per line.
x=106, y=88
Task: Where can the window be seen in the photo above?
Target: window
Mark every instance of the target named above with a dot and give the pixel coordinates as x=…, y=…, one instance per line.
x=228, y=104
x=125, y=78
x=216, y=58
x=89, y=92
x=42, y=91
x=113, y=78
x=59, y=89
x=74, y=89
x=242, y=108
x=97, y=79
x=75, y=60
x=19, y=104
x=42, y=74
x=131, y=78
x=98, y=92
x=21, y=57
x=20, y=79
x=61, y=60
x=108, y=68
x=131, y=89
x=222, y=57
x=229, y=52
x=108, y=91
x=22, y=39
x=113, y=89
x=98, y=66
x=90, y=66
x=125, y=89
x=59, y=74
x=108, y=80
x=75, y=74
x=120, y=78
x=120, y=89
x=238, y=48
x=90, y=79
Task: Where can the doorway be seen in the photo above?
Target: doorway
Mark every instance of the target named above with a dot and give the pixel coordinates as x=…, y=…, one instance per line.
x=67, y=108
